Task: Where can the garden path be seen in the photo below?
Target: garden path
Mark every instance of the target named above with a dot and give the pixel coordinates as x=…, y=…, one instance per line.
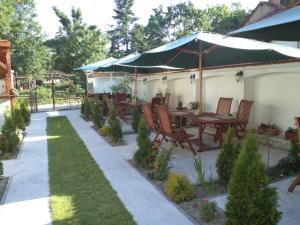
x=147, y=205
x=27, y=200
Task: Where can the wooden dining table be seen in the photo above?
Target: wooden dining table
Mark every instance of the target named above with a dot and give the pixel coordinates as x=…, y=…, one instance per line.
x=201, y=121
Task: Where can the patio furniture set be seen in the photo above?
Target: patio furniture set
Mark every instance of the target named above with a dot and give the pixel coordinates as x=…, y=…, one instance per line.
x=220, y=121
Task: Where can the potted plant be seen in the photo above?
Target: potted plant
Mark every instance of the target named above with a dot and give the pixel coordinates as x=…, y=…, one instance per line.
x=268, y=129
x=290, y=133
x=194, y=105
x=179, y=105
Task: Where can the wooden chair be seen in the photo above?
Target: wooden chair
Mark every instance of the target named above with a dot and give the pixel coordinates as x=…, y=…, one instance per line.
x=106, y=102
x=242, y=119
x=242, y=116
x=223, y=109
x=167, y=99
x=121, y=110
x=120, y=97
x=297, y=179
x=177, y=136
x=155, y=101
x=153, y=125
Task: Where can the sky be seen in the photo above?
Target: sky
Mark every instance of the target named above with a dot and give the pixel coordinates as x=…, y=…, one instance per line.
x=100, y=12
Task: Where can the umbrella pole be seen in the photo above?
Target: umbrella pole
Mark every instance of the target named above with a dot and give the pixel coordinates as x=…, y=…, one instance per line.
x=135, y=84
x=200, y=71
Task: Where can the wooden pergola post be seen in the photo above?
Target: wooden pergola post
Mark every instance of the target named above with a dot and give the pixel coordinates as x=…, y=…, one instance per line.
x=200, y=71
x=5, y=70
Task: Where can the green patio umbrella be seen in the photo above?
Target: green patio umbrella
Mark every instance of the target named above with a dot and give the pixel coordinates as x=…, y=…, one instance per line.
x=96, y=65
x=284, y=26
x=119, y=65
x=210, y=50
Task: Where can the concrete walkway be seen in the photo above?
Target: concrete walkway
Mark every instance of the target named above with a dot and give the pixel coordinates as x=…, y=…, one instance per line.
x=143, y=201
x=27, y=201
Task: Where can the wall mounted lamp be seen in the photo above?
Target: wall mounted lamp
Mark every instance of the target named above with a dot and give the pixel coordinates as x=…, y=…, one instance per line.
x=239, y=75
x=164, y=79
x=192, y=77
x=144, y=80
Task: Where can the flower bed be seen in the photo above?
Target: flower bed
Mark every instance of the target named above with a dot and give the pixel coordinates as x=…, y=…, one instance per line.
x=191, y=207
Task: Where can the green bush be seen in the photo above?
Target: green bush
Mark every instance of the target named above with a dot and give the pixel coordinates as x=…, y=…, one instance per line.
x=135, y=118
x=250, y=200
x=97, y=113
x=115, y=128
x=1, y=169
x=287, y=166
x=227, y=157
x=44, y=95
x=294, y=150
x=25, y=111
x=161, y=167
x=87, y=112
x=144, y=145
x=208, y=211
x=9, y=138
x=82, y=105
x=103, y=131
x=17, y=118
x=179, y=188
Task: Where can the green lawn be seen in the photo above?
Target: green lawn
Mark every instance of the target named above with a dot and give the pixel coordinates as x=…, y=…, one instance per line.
x=80, y=193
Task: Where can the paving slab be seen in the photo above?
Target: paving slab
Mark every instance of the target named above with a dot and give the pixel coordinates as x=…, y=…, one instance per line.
x=147, y=205
x=27, y=200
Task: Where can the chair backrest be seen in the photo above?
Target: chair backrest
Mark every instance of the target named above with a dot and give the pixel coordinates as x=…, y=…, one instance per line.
x=155, y=101
x=244, y=110
x=164, y=118
x=148, y=116
x=167, y=99
x=224, y=106
x=159, y=95
x=121, y=97
x=297, y=119
x=106, y=102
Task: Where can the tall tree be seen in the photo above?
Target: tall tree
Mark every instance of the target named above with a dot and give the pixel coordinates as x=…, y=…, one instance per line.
x=76, y=43
x=121, y=33
x=184, y=18
x=227, y=19
x=29, y=55
x=6, y=12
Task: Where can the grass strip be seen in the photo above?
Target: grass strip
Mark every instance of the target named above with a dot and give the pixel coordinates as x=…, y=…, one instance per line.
x=80, y=193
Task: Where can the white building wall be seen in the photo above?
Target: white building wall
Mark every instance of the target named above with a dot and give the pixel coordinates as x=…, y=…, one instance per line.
x=101, y=84
x=273, y=88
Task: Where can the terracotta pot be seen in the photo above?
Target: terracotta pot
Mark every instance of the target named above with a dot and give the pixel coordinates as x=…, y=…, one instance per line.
x=267, y=131
x=289, y=135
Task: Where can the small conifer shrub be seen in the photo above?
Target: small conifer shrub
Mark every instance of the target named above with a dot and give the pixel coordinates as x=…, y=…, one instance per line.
x=97, y=114
x=144, y=145
x=115, y=129
x=250, y=200
x=135, y=118
x=227, y=157
x=87, y=112
x=17, y=118
x=9, y=138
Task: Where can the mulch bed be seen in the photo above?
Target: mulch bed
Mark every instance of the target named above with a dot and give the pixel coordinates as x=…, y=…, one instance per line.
x=192, y=207
x=3, y=184
x=106, y=138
